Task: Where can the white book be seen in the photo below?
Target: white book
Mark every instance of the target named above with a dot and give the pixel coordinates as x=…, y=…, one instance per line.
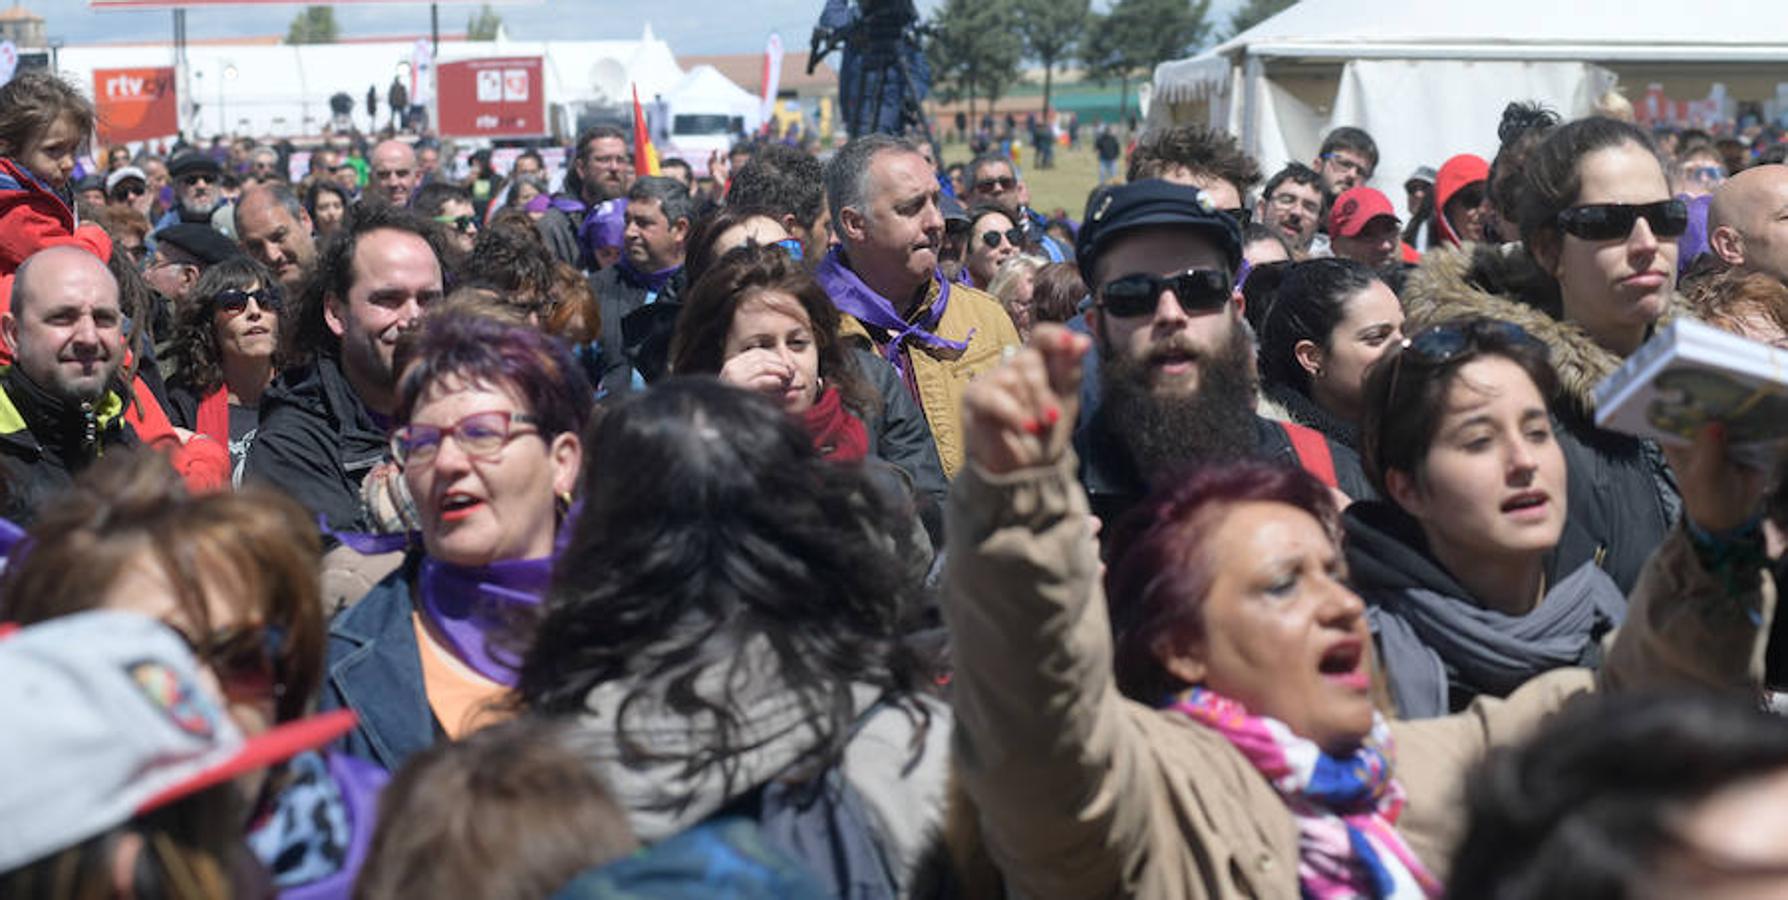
x=1691, y=373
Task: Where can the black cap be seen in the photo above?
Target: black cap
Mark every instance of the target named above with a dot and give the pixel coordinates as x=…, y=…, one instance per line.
x=1118, y=209
x=193, y=162
x=952, y=209
x=203, y=243
x=89, y=183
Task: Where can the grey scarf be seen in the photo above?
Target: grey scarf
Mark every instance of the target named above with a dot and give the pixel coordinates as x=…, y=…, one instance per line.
x=1429, y=639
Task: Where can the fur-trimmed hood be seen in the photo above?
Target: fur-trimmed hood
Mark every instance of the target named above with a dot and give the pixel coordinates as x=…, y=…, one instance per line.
x=1503, y=282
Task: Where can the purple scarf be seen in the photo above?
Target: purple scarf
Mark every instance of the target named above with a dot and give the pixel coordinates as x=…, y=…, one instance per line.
x=470, y=605
x=651, y=281
x=856, y=299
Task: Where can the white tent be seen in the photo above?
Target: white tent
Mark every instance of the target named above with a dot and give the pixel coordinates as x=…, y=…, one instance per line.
x=1429, y=80
x=705, y=90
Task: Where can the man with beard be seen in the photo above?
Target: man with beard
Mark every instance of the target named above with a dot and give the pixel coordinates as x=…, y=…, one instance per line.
x=1291, y=205
x=600, y=170
x=198, y=191
x=323, y=421
x=1177, y=382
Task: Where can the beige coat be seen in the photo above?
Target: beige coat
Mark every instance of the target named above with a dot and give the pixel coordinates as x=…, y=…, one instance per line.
x=942, y=375
x=1084, y=793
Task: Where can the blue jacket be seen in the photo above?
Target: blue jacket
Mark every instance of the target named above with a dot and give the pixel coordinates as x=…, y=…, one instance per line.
x=374, y=667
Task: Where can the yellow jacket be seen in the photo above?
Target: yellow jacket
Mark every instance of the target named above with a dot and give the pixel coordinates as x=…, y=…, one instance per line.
x=942, y=375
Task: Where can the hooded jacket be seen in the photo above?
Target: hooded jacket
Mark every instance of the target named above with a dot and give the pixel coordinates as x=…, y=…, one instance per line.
x=1455, y=175
x=1439, y=648
x=44, y=444
x=34, y=215
x=1623, y=497
x=317, y=442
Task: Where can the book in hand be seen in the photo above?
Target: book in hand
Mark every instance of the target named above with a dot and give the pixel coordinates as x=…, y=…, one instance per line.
x=1691, y=373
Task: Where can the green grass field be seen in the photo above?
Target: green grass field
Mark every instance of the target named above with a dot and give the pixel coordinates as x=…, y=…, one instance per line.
x=1065, y=186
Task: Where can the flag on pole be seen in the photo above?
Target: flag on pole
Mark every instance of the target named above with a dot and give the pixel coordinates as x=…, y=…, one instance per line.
x=645, y=156
x=772, y=79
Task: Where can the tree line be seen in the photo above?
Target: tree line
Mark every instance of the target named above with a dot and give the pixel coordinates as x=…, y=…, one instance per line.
x=976, y=47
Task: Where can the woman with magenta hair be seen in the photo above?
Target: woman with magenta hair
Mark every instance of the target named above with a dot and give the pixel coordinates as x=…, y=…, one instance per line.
x=1212, y=732
x=487, y=434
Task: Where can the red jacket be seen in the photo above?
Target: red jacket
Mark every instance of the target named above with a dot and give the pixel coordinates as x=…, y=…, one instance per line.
x=33, y=216
x=1455, y=174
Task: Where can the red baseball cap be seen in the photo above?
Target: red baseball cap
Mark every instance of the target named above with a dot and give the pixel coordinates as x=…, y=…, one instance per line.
x=1356, y=207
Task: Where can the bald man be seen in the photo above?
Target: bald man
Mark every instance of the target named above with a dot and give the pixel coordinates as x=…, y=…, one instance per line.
x=274, y=228
x=1747, y=223
x=395, y=173
x=60, y=395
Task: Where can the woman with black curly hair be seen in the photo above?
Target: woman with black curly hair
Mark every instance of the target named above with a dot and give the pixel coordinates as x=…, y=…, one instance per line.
x=735, y=631
x=226, y=352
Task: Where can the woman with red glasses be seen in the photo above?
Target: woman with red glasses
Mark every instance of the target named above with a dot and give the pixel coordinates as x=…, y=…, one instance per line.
x=225, y=353
x=486, y=431
x=993, y=239
x=235, y=574
x=1594, y=274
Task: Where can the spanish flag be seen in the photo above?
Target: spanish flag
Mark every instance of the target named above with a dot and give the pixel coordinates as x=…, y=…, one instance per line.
x=645, y=156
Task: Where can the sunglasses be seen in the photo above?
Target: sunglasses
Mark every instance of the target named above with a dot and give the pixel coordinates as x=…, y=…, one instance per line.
x=1013, y=236
x=196, y=180
x=1197, y=290
x=1240, y=215
x=1612, y=221
x=792, y=247
x=461, y=224
x=245, y=659
x=479, y=435
x=127, y=191
x=1468, y=197
x=234, y=301
x=1441, y=344
x=1004, y=183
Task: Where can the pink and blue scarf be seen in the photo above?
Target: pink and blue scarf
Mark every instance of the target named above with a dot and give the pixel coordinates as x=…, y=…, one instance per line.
x=1346, y=806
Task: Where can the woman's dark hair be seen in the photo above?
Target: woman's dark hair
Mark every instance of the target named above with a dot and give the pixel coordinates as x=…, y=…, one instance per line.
x=1056, y=292
x=1593, y=804
x=699, y=345
x=1396, y=432
x=322, y=185
x=459, y=342
x=1552, y=175
x=192, y=849
x=510, y=811
x=195, y=353
x=701, y=255
x=1261, y=291
x=1522, y=128
x=1312, y=301
x=712, y=536
x=1158, y=578
x=514, y=264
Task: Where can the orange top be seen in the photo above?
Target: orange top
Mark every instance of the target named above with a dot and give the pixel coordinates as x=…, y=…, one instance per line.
x=462, y=700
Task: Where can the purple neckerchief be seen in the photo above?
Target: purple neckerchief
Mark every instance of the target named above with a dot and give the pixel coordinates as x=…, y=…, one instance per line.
x=856, y=299
x=651, y=281
x=470, y=605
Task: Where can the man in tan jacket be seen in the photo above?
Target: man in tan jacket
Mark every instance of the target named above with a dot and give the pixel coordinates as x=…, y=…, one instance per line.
x=884, y=277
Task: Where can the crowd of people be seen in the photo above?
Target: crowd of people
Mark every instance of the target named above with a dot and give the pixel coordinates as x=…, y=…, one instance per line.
x=845, y=527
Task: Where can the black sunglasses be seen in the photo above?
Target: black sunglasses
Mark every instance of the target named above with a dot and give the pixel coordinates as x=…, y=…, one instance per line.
x=1198, y=291
x=234, y=300
x=201, y=178
x=1014, y=236
x=1004, y=183
x=461, y=224
x=1611, y=221
x=128, y=190
x=1438, y=345
x=247, y=660
x=1468, y=197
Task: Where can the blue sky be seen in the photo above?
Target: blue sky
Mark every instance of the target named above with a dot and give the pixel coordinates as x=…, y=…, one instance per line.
x=689, y=26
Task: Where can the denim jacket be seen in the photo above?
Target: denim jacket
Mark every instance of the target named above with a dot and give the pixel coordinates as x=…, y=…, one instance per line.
x=374, y=667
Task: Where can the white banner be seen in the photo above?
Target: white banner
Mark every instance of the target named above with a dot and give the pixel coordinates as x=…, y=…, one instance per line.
x=9, y=61
x=772, y=74
x=422, y=74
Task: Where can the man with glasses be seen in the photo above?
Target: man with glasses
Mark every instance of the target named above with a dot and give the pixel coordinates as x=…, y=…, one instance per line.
x=994, y=181
x=198, y=192
x=1291, y=205
x=600, y=170
x=324, y=420
x=1200, y=157
x=275, y=229
x=394, y=173
x=1347, y=159
x=1176, y=382
x=884, y=200
x=450, y=207
x=129, y=186
x=182, y=253
x=1747, y=222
